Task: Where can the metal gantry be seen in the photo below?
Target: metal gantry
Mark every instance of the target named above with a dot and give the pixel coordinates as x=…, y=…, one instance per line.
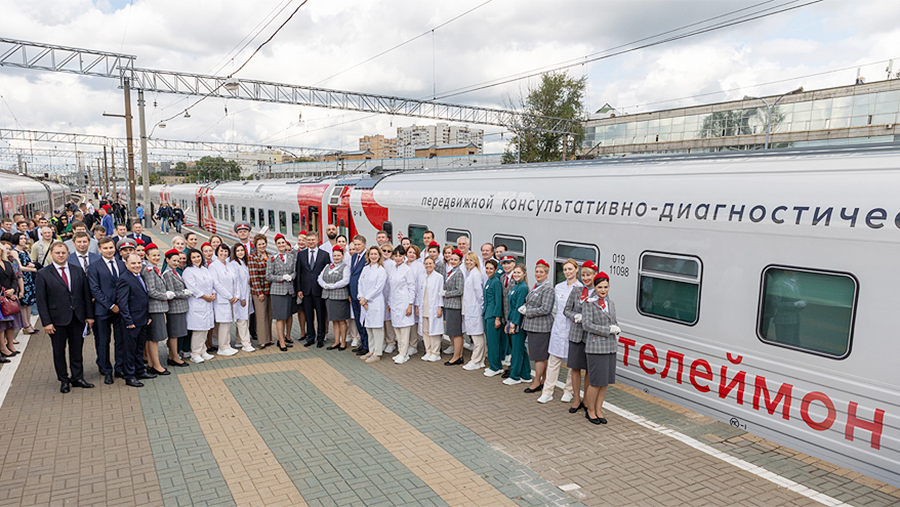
x=86, y=62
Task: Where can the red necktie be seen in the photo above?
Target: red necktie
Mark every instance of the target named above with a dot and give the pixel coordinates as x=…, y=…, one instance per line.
x=507, y=282
x=282, y=257
x=584, y=294
x=332, y=265
x=62, y=272
x=156, y=270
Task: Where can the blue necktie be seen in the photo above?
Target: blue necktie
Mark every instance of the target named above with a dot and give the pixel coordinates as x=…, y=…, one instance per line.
x=142, y=282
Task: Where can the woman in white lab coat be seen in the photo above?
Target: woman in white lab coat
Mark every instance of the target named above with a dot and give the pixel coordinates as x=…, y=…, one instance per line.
x=371, y=299
x=224, y=282
x=559, y=334
x=429, y=308
x=201, y=315
x=241, y=307
x=473, y=310
x=401, y=303
x=390, y=337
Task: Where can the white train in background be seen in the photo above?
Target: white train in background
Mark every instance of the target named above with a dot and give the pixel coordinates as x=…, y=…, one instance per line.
x=752, y=288
x=22, y=194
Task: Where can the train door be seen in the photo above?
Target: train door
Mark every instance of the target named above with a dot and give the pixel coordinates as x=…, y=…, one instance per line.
x=309, y=200
x=341, y=218
x=339, y=206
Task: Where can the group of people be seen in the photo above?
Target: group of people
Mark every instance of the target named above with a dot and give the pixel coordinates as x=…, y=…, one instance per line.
x=380, y=298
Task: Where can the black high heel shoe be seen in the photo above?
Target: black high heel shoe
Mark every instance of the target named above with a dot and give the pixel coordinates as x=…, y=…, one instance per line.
x=342, y=347
x=580, y=406
x=454, y=363
x=535, y=390
x=332, y=347
x=283, y=348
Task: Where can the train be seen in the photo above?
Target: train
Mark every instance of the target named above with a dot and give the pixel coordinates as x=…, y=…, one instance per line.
x=751, y=287
x=26, y=195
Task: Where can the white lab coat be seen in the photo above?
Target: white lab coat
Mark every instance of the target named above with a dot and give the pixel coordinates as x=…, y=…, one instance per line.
x=389, y=267
x=402, y=294
x=371, y=287
x=200, y=315
x=241, y=290
x=433, y=284
x=223, y=277
x=559, y=333
x=473, y=303
x=418, y=269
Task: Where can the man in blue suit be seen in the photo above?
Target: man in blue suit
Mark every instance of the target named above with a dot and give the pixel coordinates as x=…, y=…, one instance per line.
x=102, y=276
x=310, y=263
x=134, y=307
x=63, y=301
x=137, y=232
x=107, y=222
x=357, y=263
x=81, y=256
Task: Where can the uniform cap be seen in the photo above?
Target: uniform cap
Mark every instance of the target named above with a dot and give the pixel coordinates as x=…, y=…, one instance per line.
x=590, y=265
x=242, y=225
x=138, y=241
x=600, y=276
x=508, y=258
x=434, y=244
x=172, y=252
x=279, y=236
x=150, y=246
x=337, y=248
x=542, y=262
x=205, y=244
x=126, y=243
x=456, y=251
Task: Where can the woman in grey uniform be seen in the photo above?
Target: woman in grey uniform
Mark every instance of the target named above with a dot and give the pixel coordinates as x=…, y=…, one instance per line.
x=159, y=306
x=454, y=286
x=538, y=312
x=577, y=360
x=599, y=320
x=280, y=273
x=335, y=282
x=176, y=319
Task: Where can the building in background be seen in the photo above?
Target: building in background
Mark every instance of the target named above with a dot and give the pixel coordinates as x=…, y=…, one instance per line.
x=251, y=162
x=446, y=150
x=409, y=138
x=861, y=113
x=380, y=146
x=349, y=155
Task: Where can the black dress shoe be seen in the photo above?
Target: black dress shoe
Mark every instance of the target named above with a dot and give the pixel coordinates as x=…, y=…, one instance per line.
x=81, y=383
x=133, y=383
x=505, y=374
x=212, y=350
x=602, y=420
x=355, y=349
x=108, y=379
x=119, y=374
x=173, y=363
x=283, y=349
x=142, y=375
x=7, y=355
x=151, y=371
x=332, y=347
x=535, y=390
x=342, y=347
x=308, y=343
x=320, y=344
x=4, y=360
x=580, y=406
x=64, y=387
x=362, y=352
x=288, y=344
x=264, y=345
x=288, y=340
x=454, y=363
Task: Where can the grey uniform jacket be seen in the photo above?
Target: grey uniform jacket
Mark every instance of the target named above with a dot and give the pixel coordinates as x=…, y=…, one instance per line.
x=512, y=283
x=453, y=289
x=339, y=294
x=596, y=322
x=175, y=284
x=574, y=306
x=539, y=309
x=275, y=271
x=156, y=290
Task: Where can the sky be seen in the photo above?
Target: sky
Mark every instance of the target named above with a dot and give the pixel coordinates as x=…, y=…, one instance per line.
x=814, y=46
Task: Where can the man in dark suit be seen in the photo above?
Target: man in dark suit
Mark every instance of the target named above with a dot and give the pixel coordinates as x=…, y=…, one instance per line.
x=310, y=263
x=137, y=232
x=357, y=263
x=63, y=300
x=102, y=277
x=81, y=256
x=134, y=307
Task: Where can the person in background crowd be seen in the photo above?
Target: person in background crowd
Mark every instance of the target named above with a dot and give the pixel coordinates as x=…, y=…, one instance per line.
x=257, y=264
x=40, y=250
x=225, y=284
x=558, y=348
x=487, y=253
x=139, y=210
x=433, y=250
x=241, y=307
x=280, y=271
x=334, y=280
x=106, y=221
x=331, y=234
x=102, y=277
x=599, y=320
x=444, y=263
x=11, y=287
x=405, y=243
x=190, y=240
x=538, y=312
x=454, y=286
x=429, y=308
x=341, y=241
x=577, y=359
x=382, y=237
x=402, y=299
x=201, y=316
x=90, y=206
x=121, y=233
x=493, y=318
x=520, y=366
x=99, y=233
x=64, y=228
x=134, y=306
x=390, y=337
x=310, y=263
x=176, y=319
x=427, y=237
x=163, y=214
x=500, y=250
x=139, y=248
x=178, y=244
x=28, y=268
x=372, y=303
x=159, y=297
x=92, y=242
x=137, y=232
x=357, y=264
x=473, y=311
x=177, y=217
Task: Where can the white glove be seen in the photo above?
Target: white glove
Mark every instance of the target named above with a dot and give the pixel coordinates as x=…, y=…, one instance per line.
x=170, y=294
x=442, y=293
x=800, y=304
x=329, y=286
x=614, y=329
x=188, y=293
x=522, y=309
x=287, y=278
x=577, y=317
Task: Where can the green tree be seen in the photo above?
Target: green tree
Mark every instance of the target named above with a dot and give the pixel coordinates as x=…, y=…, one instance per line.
x=155, y=179
x=213, y=168
x=181, y=169
x=558, y=96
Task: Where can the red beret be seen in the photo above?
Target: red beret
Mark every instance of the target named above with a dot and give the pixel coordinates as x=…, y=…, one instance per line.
x=286, y=241
x=456, y=251
x=590, y=265
x=542, y=262
x=434, y=243
x=600, y=276
x=337, y=248
x=172, y=252
x=279, y=236
x=151, y=246
x=138, y=241
x=302, y=233
x=205, y=244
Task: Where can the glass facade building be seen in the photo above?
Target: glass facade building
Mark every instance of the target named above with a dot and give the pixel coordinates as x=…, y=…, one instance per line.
x=865, y=113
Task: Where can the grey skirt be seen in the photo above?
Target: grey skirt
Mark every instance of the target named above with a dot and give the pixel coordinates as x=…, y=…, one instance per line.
x=282, y=305
x=176, y=325
x=538, y=345
x=601, y=369
x=337, y=309
x=453, y=322
x=577, y=358
x=157, y=331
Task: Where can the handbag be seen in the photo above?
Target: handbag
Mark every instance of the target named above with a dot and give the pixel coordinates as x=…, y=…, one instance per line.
x=8, y=306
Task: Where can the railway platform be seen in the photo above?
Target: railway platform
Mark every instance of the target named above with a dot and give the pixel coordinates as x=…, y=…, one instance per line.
x=321, y=428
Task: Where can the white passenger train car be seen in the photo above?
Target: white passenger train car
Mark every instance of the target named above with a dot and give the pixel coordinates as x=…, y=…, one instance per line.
x=25, y=195
x=753, y=288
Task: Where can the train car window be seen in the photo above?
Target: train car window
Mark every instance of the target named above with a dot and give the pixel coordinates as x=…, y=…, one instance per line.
x=232, y=212
x=577, y=251
x=515, y=245
x=271, y=219
x=261, y=219
x=295, y=224
x=389, y=229
x=303, y=224
x=454, y=234
x=282, y=222
x=252, y=217
x=244, y=213
x=669, y=286
x=807, y=310
x=415, y=234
